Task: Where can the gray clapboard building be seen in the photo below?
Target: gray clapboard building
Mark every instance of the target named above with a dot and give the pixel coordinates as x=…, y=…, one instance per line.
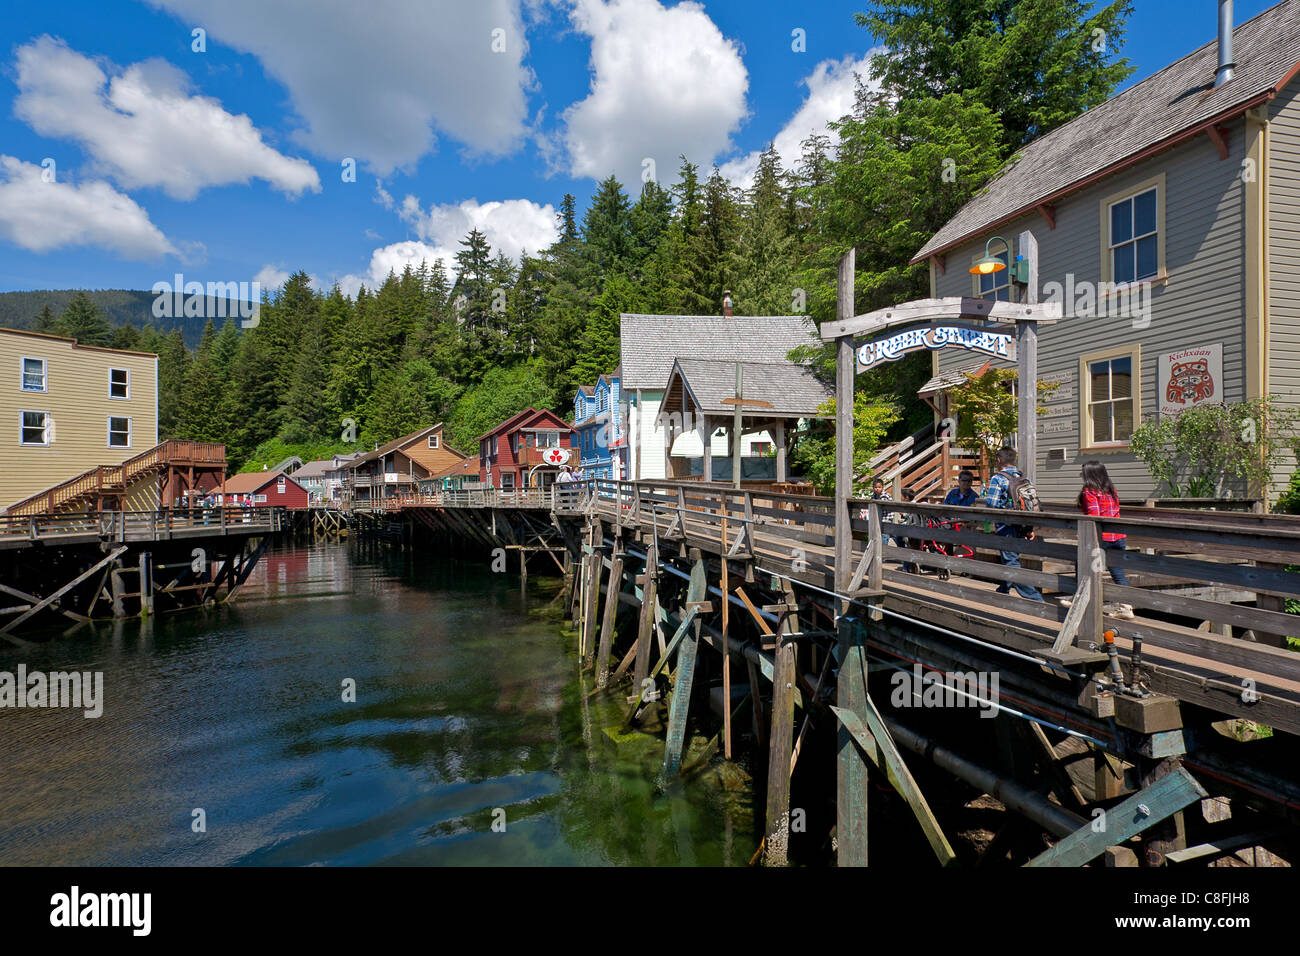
x=1166, y=222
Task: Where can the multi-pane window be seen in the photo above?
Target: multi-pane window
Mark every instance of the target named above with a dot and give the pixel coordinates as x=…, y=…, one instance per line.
x=1134, y=240
x=548, y=439
x=1110, y=400
x=279, y=486
x=119, y=432
x=433, y=441
x=33, y=375
x=34, y=429
x=996, y=286
x=119, y=383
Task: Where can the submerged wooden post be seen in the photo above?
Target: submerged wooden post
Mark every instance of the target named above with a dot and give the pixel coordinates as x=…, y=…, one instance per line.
x=696, y=592
x=648, y=621
x=146, y=583
x=726, y=647
x=851, y=687
x=607, y=625
x=781, y=744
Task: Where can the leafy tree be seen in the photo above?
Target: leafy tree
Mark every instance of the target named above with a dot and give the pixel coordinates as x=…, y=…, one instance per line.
x=987, y=409
x=1209, y=451
x=1035, y=63
x=502, y=393
x=814, y=453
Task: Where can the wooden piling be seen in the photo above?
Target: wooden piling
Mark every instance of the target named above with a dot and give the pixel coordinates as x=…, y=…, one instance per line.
x=697, y=590
x=648, y=623
x=781, y=742
x=612, y=591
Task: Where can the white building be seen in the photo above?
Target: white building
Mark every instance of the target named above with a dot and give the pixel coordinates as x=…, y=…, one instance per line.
x=649, y=344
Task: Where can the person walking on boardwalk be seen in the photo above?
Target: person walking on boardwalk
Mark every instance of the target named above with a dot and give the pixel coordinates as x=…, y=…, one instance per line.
x=1099, y=499
x=1005, y=490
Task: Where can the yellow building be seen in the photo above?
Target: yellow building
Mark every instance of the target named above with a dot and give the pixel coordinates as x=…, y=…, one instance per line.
x=70, y=408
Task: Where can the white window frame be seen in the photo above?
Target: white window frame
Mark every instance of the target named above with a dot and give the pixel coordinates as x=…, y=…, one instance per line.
x=281, y=485
x=45, y=429
x=129, y=427
x=22, y=374
x=1001, y=278
x=548, y=435
x=434, y=441
x=510, y=476
x=259, y=499
x=1134, y=354
x=119, y=398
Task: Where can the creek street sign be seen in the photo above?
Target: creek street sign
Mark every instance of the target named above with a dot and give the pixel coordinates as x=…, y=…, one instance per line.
x=933, y=337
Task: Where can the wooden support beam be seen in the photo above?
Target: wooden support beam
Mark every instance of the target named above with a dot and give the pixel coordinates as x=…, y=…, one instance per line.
x=776, y=841
x=680, y=633
x=648, y=623
x=696, y=591
x=851, y=762
x=47, y=601
x=726, y=648
x=591, y=605
x=871, y=735
x=612, y=592
x=1148, y=806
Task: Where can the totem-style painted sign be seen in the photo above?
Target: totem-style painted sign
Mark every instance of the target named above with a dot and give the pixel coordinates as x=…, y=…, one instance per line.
x=893, y=347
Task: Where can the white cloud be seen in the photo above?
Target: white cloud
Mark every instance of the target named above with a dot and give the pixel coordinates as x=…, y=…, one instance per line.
x=665, y=82
x=143, y=125
x=831, y=91
x=41, y=216
x=374, y=80
x=272, y=276
x=512, y=226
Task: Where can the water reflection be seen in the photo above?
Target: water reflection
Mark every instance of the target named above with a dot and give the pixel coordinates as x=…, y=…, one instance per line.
x=468, y=712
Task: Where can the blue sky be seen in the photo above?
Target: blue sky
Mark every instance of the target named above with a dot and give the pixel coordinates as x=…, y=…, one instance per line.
x=226, y=164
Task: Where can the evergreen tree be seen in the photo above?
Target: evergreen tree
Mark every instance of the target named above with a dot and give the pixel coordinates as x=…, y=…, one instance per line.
x=126, y=337
x=46, y=321
x=83, y=321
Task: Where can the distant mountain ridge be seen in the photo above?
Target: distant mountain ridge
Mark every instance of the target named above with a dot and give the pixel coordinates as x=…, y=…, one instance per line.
x=18, y=310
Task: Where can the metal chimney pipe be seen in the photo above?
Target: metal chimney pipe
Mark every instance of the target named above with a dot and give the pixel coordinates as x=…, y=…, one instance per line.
x=1226, y=64
x=726, y=303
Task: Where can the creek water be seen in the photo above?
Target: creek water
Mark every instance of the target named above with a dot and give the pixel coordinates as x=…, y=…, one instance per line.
x=472, y=739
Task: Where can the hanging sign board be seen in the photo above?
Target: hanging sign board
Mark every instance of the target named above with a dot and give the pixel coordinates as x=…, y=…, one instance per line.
x=893, y=347
x=1190, y=377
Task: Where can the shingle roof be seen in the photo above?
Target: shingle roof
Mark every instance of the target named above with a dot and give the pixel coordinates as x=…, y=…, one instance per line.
x=463, y=467
x=1177, y=100
x=649, y=343
x=314, y=469
x=249, y=481
x=792, y=390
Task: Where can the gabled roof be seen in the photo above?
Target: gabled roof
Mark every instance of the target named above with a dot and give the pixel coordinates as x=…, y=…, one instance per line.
x=249, y=482
x=1178, y=102
x=791, y=391
x=524, y=419
x=399, y=443
x=314, y=469
x=466, y=466
x=649, y=343
x=586, y=389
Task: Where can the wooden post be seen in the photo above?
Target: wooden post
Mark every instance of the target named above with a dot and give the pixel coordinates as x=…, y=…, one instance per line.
x=851, y=688
x=607, y=625
x=735, y=441
x=779, y=428
x=706, y=439
x=696, y=591
x=648, y=623
x=781, y=743
x=1090, y=563
x=146, y=583
x=1027, y=364
x=726, y=647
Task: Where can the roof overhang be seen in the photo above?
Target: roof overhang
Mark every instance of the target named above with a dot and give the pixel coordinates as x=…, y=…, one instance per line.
x=1191, y=132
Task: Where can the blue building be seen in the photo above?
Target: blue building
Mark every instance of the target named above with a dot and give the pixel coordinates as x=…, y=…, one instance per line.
x=601, y=442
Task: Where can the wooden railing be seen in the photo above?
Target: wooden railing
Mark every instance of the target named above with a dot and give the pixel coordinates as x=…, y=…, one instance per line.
x=121, y=526
x=1205, y=570
x=111, y=479
x=482, y=498
x=930, y=472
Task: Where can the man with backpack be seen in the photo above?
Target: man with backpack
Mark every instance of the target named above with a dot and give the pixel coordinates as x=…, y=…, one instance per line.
x=1011, y=490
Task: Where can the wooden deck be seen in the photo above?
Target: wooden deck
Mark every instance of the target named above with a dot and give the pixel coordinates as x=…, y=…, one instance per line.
x=22, y=531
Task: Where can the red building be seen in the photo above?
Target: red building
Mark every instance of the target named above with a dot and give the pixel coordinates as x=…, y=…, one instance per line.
x=518, y=448
x=262, y=489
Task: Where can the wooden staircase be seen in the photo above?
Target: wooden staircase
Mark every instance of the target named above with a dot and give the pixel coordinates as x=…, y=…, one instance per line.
x=108, y=481
x=926, y=464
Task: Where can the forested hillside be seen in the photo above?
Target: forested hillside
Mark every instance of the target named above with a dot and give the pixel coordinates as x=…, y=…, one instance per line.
x=474, y=340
